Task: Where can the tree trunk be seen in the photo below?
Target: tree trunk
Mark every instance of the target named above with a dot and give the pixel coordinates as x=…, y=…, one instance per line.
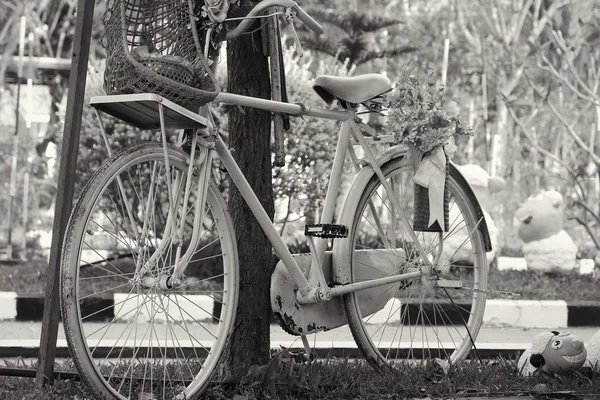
x=249, y=131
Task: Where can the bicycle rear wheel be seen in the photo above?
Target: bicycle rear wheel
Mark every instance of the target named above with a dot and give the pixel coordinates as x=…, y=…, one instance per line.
x=132, y=332
x=412, y=319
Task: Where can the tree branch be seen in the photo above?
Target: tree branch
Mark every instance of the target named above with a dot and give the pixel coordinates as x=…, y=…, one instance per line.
x=562, y=119
x=287, y=215
x=488, y=21
x=35, y=16
x=508, y=88
x=12, y=44
x=516, y=32
x=559, y=40
x=589, y=231
x=463, y=27
x=10, y=5
x=502, y=22
x=550, y=68
x=588, y=209
x=533, y=142
x=536, y=9
x=7, y=27
x=540, y=24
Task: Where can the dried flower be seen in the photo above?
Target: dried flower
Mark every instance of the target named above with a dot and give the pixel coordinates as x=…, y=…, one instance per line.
x=416, y=116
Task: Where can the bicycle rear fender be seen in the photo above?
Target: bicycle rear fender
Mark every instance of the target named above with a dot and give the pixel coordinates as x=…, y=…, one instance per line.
x=363, y=178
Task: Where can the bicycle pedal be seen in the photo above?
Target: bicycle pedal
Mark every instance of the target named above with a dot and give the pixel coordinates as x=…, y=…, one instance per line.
x=326, y=231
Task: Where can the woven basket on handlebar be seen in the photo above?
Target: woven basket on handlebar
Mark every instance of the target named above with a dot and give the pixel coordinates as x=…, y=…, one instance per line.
x=151, y=48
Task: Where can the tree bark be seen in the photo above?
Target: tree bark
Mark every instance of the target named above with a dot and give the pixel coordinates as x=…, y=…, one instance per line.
x=249, y=130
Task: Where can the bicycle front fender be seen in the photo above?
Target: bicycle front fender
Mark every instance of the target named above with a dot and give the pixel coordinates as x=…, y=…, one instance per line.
x=401, y=151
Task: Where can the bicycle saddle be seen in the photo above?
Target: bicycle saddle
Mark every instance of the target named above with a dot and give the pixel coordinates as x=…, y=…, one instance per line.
x=354, y=89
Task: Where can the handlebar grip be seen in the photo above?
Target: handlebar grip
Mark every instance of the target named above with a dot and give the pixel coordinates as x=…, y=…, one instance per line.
x=309, y=21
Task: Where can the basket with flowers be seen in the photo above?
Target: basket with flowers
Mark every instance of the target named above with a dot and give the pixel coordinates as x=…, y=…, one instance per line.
x=417, y=119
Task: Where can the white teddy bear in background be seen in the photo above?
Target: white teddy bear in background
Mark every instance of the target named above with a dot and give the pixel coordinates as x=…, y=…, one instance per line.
x=546, y=246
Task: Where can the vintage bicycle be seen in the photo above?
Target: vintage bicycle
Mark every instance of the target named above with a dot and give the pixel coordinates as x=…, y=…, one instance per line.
x=150, y=315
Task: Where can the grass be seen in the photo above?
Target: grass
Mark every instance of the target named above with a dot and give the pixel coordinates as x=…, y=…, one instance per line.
x=347, y=379
x=532, y=285
x=29, y=278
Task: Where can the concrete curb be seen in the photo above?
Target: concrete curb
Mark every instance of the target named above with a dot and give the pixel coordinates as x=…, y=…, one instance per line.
x=30, y=349
x=552, y=314
x=584, y=266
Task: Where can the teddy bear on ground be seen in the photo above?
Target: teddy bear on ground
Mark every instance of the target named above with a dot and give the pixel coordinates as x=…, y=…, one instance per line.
x=546, y=246
x=553, y=353
x=484, y=186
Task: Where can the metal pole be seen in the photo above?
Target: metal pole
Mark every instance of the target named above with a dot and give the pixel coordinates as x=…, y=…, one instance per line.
x=31, y=126
x=445, y=62
x=66, y=181
x=15, y=154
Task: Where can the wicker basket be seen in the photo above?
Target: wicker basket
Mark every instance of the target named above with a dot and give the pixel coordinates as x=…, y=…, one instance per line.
x=151, y=47
x=421, y=216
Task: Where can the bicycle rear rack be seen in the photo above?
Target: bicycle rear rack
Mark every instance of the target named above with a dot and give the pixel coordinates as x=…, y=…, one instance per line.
x=143, y=111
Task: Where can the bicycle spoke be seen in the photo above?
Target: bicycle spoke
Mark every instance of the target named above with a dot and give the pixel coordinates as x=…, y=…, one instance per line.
x=417, y=318
x=159, y=341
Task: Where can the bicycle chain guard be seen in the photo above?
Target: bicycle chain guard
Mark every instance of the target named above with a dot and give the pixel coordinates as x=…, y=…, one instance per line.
x=303, y=319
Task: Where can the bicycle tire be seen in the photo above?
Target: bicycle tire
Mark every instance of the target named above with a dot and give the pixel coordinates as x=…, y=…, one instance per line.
x=408, y=306
x=166, y=341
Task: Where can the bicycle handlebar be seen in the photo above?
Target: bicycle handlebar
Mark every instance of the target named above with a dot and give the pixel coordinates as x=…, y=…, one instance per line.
x=309, y=21
x=302, y=15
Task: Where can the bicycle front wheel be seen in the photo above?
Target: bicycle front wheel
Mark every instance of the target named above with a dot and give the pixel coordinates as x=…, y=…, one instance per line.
x=418, y=318
x=133, y=333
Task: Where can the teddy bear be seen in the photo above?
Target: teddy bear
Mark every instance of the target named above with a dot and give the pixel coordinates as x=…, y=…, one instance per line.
x=553, y=353
x=546, y=246
x=484, y=186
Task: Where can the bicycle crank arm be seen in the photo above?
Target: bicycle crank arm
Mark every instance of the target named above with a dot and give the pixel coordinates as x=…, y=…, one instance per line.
x=447, y=283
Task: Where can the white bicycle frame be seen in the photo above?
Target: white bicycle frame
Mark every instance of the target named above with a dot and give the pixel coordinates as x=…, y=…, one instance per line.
x=308, y=292
x=317, y=289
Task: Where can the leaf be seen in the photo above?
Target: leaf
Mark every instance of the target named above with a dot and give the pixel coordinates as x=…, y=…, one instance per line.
x=444, y=364
x=232, y=380
x=147, y=396
x=284, y=354
x=271, y=371
x=254, y=374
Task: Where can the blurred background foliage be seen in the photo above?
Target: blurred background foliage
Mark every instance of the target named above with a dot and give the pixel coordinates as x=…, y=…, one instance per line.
x=526, y=73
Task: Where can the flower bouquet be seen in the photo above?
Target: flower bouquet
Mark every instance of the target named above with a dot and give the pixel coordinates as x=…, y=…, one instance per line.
x=416, y=118
x=210, y=20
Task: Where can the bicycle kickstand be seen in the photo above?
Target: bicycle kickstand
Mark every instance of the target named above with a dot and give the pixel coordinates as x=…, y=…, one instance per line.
x=307, y=349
